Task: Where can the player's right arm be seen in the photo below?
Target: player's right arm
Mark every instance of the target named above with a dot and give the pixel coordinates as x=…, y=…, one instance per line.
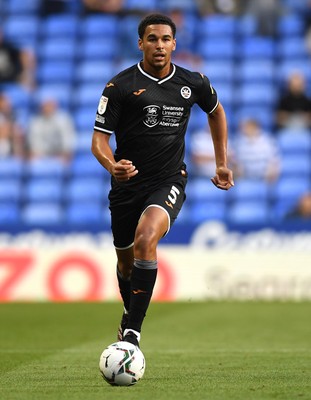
x=122, y=170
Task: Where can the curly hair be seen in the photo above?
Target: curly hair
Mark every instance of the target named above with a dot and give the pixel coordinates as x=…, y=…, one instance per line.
x=155, y=19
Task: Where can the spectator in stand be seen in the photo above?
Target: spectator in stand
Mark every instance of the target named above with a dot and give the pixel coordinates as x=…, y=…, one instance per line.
x=104, y=6
x=256, y=154
x=16, y=65
x=51, y=132
x=294, y=106
x=11, y=134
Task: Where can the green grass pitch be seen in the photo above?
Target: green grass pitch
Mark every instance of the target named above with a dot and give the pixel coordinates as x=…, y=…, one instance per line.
x=204, y=350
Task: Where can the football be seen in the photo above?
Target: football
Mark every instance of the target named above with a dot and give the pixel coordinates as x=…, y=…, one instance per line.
x=122, y=364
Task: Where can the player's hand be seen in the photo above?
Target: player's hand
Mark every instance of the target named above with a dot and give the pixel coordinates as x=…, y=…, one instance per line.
x=123, y=170
x=223, y=178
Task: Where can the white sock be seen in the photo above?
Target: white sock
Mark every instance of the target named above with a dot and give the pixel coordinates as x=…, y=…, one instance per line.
x=137, y=334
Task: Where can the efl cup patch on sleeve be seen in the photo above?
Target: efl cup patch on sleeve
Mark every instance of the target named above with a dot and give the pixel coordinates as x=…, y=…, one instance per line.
x=102, y=105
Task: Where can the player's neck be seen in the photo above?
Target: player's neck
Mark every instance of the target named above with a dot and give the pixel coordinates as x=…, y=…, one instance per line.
x=159, y=73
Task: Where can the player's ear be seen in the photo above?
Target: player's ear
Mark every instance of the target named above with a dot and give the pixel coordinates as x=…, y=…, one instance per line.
x=140, y=45
x=174, y=44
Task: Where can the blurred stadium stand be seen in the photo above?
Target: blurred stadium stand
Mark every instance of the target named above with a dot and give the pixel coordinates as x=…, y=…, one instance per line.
x=78, y=52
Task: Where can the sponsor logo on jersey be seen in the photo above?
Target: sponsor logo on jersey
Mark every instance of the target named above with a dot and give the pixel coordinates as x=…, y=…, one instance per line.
x=139, y=92
x=152, y=115
x=102, y=105
x=185, y=91
x=100, y=119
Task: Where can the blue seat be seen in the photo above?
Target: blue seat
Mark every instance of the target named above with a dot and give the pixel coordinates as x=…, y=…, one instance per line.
x=64, y=26
x=57, y=49
x=257, y=48
x=9, y=213
x=293, y=141
x=255, y=94
x=250, y=190
x=19, y=96
x=217, y=25
x=11, y=167
x=249, y=212
x=43, y=189
x=291, y=188
x=146, y=5
x=87, y=165
x=46, y=167
x=15, y=7
x=264, y=114
x=87, y=95
x=86, y=189
x=287, y=66
x=247, y=26
x=22, y=29
x=217, y=49
x=84, y=118
x=86, y=213
x=202, y=189
x=42, y=214
x=252, y=71
x=205, y=211
x=56, y=71
x=100, y=26
x=105, y=50
x=292, y=48
x=296, y=165
x=219, y=71
x=290, y=25
x=95, y=72
x=10, y=190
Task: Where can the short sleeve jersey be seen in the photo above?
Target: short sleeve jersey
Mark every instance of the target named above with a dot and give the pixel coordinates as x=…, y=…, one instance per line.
x=149, y=117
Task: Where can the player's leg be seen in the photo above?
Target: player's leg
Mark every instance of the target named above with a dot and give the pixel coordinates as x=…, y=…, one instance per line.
x=124, y=270
x=151, y=227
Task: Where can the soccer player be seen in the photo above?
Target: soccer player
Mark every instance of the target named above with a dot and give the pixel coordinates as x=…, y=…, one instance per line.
x=148, y=106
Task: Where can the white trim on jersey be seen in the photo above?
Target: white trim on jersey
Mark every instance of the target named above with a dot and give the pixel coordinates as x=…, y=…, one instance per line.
x=103, y=130
x=214, y=107
x=156, y=79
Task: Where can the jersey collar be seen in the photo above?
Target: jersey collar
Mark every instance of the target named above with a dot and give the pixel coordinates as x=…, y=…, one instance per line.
x=157, y=79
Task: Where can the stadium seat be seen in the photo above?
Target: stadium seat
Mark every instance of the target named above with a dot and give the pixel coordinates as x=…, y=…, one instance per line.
x=255, y=94
x=250, y=190
x=294, y=141
x=16, y=7
x=11, y=167
x=246, y=25
x=22, y=29
x=287, y=66
x=87, y=213
x=42, y=214
x=296, y=165
x=57, y=49
x=43, y=189
x=205, y=211
x=102, y=51
x=213, y=26
x=86, y=165
x=134, y=5
x=9, y=213
x=217, y=49
x=95, y=72
x=202, y=189
x=292, y=48
x=219, y=71
x=290, y=25
x=19, y=96
x=249, y=212
x=56, y=71
x=61, y=92
x=86, y=189
x=100, y=27
x=84, y=118
x=62, y=26
x=256, y=48
x=10, y=190
x=46, y=167
x=291, y=188
x=87, y=95
x=252, y=71
x=263, y=114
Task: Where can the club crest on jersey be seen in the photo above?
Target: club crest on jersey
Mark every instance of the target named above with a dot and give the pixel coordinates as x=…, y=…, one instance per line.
x=185, y=91
x=102, y=105
x=152, y=116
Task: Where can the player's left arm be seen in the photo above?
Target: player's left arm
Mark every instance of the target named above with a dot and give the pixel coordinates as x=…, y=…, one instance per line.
x=218, y=126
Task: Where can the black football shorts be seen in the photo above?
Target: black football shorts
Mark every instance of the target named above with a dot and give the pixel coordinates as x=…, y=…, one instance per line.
x=127, y=207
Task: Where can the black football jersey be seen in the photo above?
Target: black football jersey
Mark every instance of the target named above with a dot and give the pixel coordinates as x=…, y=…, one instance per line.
x=149, y=117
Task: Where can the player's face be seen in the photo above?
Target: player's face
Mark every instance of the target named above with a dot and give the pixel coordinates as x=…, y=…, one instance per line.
x=157, y=46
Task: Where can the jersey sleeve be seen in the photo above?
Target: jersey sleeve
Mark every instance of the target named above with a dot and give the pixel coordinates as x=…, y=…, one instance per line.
x=208, y=99
x=108, y=110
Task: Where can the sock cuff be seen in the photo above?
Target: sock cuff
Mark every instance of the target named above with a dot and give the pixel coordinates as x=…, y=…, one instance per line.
x=136, y=333
x=145, y=264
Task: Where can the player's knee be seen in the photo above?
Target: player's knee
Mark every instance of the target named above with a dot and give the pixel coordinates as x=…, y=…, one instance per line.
x=145, y=243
